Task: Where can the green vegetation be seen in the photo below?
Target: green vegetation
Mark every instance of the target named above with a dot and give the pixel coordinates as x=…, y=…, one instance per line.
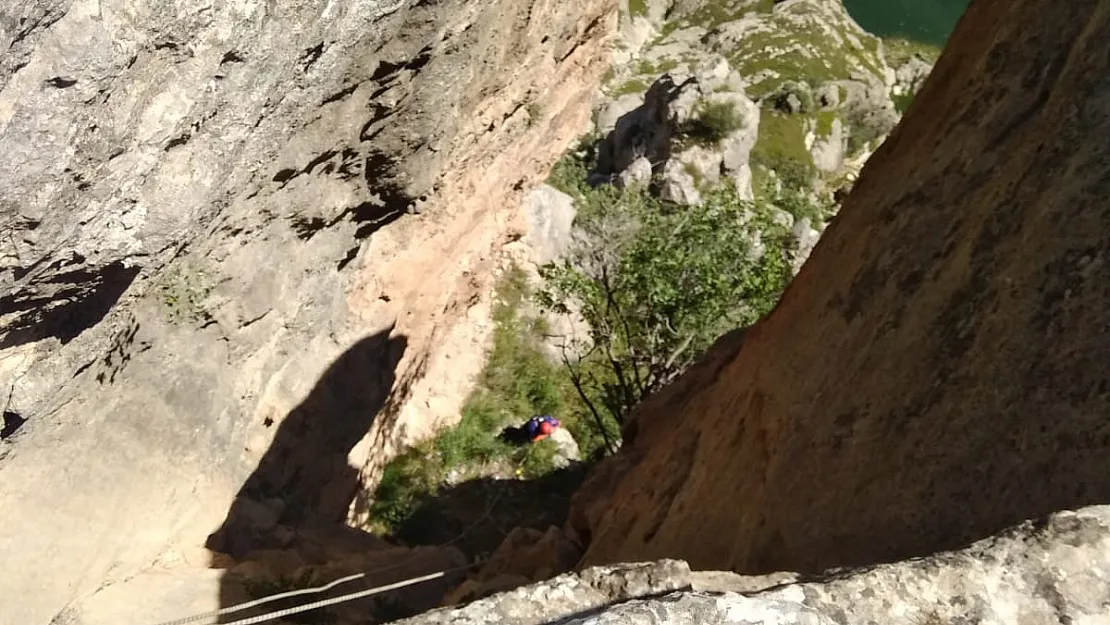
x=632, y=85
x=902, y=101
x=518, y=382
x=569, y=173
x=181, y=291
x=781, y=147
x=712, y=122
x=801, y=50
x=657, y=285
x=864, y=128
x=899, y=51
x=638, y=8
x=713, y=14
x=802, y=204
x=825, y=121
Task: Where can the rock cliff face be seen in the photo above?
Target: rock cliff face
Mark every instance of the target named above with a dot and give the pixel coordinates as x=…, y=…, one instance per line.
x=933, y=373
x=1051, y=571
x=232, y=234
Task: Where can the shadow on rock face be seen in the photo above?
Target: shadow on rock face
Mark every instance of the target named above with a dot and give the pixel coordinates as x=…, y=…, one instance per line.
x=64, y=304
x=477, y=515
x=304, y=477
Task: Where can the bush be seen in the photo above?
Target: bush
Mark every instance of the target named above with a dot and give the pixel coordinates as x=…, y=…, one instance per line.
x=802, y=205
x=802, y=94
x=657, y=286
x=864, y=128
x=781, y=148
x=570, y=172
x=713, y=121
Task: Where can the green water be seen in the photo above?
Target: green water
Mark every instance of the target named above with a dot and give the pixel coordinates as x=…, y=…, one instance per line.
x=924, y=21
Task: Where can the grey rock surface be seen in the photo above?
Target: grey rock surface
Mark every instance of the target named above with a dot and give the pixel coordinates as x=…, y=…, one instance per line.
x=550, y=215
x=248, y=249
x=1052, y=570
x=566, y=596
x=655, y=133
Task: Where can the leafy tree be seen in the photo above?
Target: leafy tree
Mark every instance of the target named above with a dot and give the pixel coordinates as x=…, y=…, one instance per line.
x=657, y=284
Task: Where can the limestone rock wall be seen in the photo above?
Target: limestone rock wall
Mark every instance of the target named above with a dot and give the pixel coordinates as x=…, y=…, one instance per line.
x=249, y=247
x=1051, y=570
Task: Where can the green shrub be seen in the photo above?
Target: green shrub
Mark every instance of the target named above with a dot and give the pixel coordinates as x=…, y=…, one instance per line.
x=657, y=286
x=181, y=291
x=866, y=128
x=712, y=122
x=570, y=172
x=780, y=147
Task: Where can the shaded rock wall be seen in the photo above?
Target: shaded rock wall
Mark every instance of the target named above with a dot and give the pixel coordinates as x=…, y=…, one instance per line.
x=934, y=373
x=218, y=215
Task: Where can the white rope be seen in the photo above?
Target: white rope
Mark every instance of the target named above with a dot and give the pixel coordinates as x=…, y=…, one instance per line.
x=257, y=602
x=214, y=614
x=341, y=599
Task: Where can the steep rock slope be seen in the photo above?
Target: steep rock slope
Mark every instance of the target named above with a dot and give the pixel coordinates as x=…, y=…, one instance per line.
x=934, y=371
x=249, y=237
x=1049, y=571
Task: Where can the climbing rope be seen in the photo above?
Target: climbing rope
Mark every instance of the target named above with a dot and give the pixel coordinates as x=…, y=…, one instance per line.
x=269, y=616
x=212, y=617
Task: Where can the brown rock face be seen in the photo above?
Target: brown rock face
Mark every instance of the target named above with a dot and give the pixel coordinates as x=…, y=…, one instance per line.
x=937, y=370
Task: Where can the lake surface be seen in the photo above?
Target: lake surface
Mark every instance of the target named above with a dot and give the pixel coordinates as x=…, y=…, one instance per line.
x=925, y=21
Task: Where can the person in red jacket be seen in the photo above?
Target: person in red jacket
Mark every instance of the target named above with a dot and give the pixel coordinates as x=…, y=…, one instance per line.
x=540, y=428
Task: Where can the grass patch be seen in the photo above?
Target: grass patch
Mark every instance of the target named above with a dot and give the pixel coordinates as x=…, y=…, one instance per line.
x=570, y=172
x=825, y=121
x=799, y=48
x=632, y=85
x=181, y=291
x=899, y=51
x=667, y=65
x=638, y=8
x=713, y=14
x=518, y=382
x=712, y=122
x=781, y=147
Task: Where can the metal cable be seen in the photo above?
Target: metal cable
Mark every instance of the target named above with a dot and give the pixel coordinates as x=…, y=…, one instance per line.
x=214, y=614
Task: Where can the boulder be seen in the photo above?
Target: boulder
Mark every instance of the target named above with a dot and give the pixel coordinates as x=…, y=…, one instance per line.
x=550, y=215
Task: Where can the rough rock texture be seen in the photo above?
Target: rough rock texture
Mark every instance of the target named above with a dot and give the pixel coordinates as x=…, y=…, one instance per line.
x=567, y=596
x=242, y=236
x=933, y=374
x=525, y=556
x=550, y=215
x=1054, y=570
x=567, y=450
x=654, y=136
